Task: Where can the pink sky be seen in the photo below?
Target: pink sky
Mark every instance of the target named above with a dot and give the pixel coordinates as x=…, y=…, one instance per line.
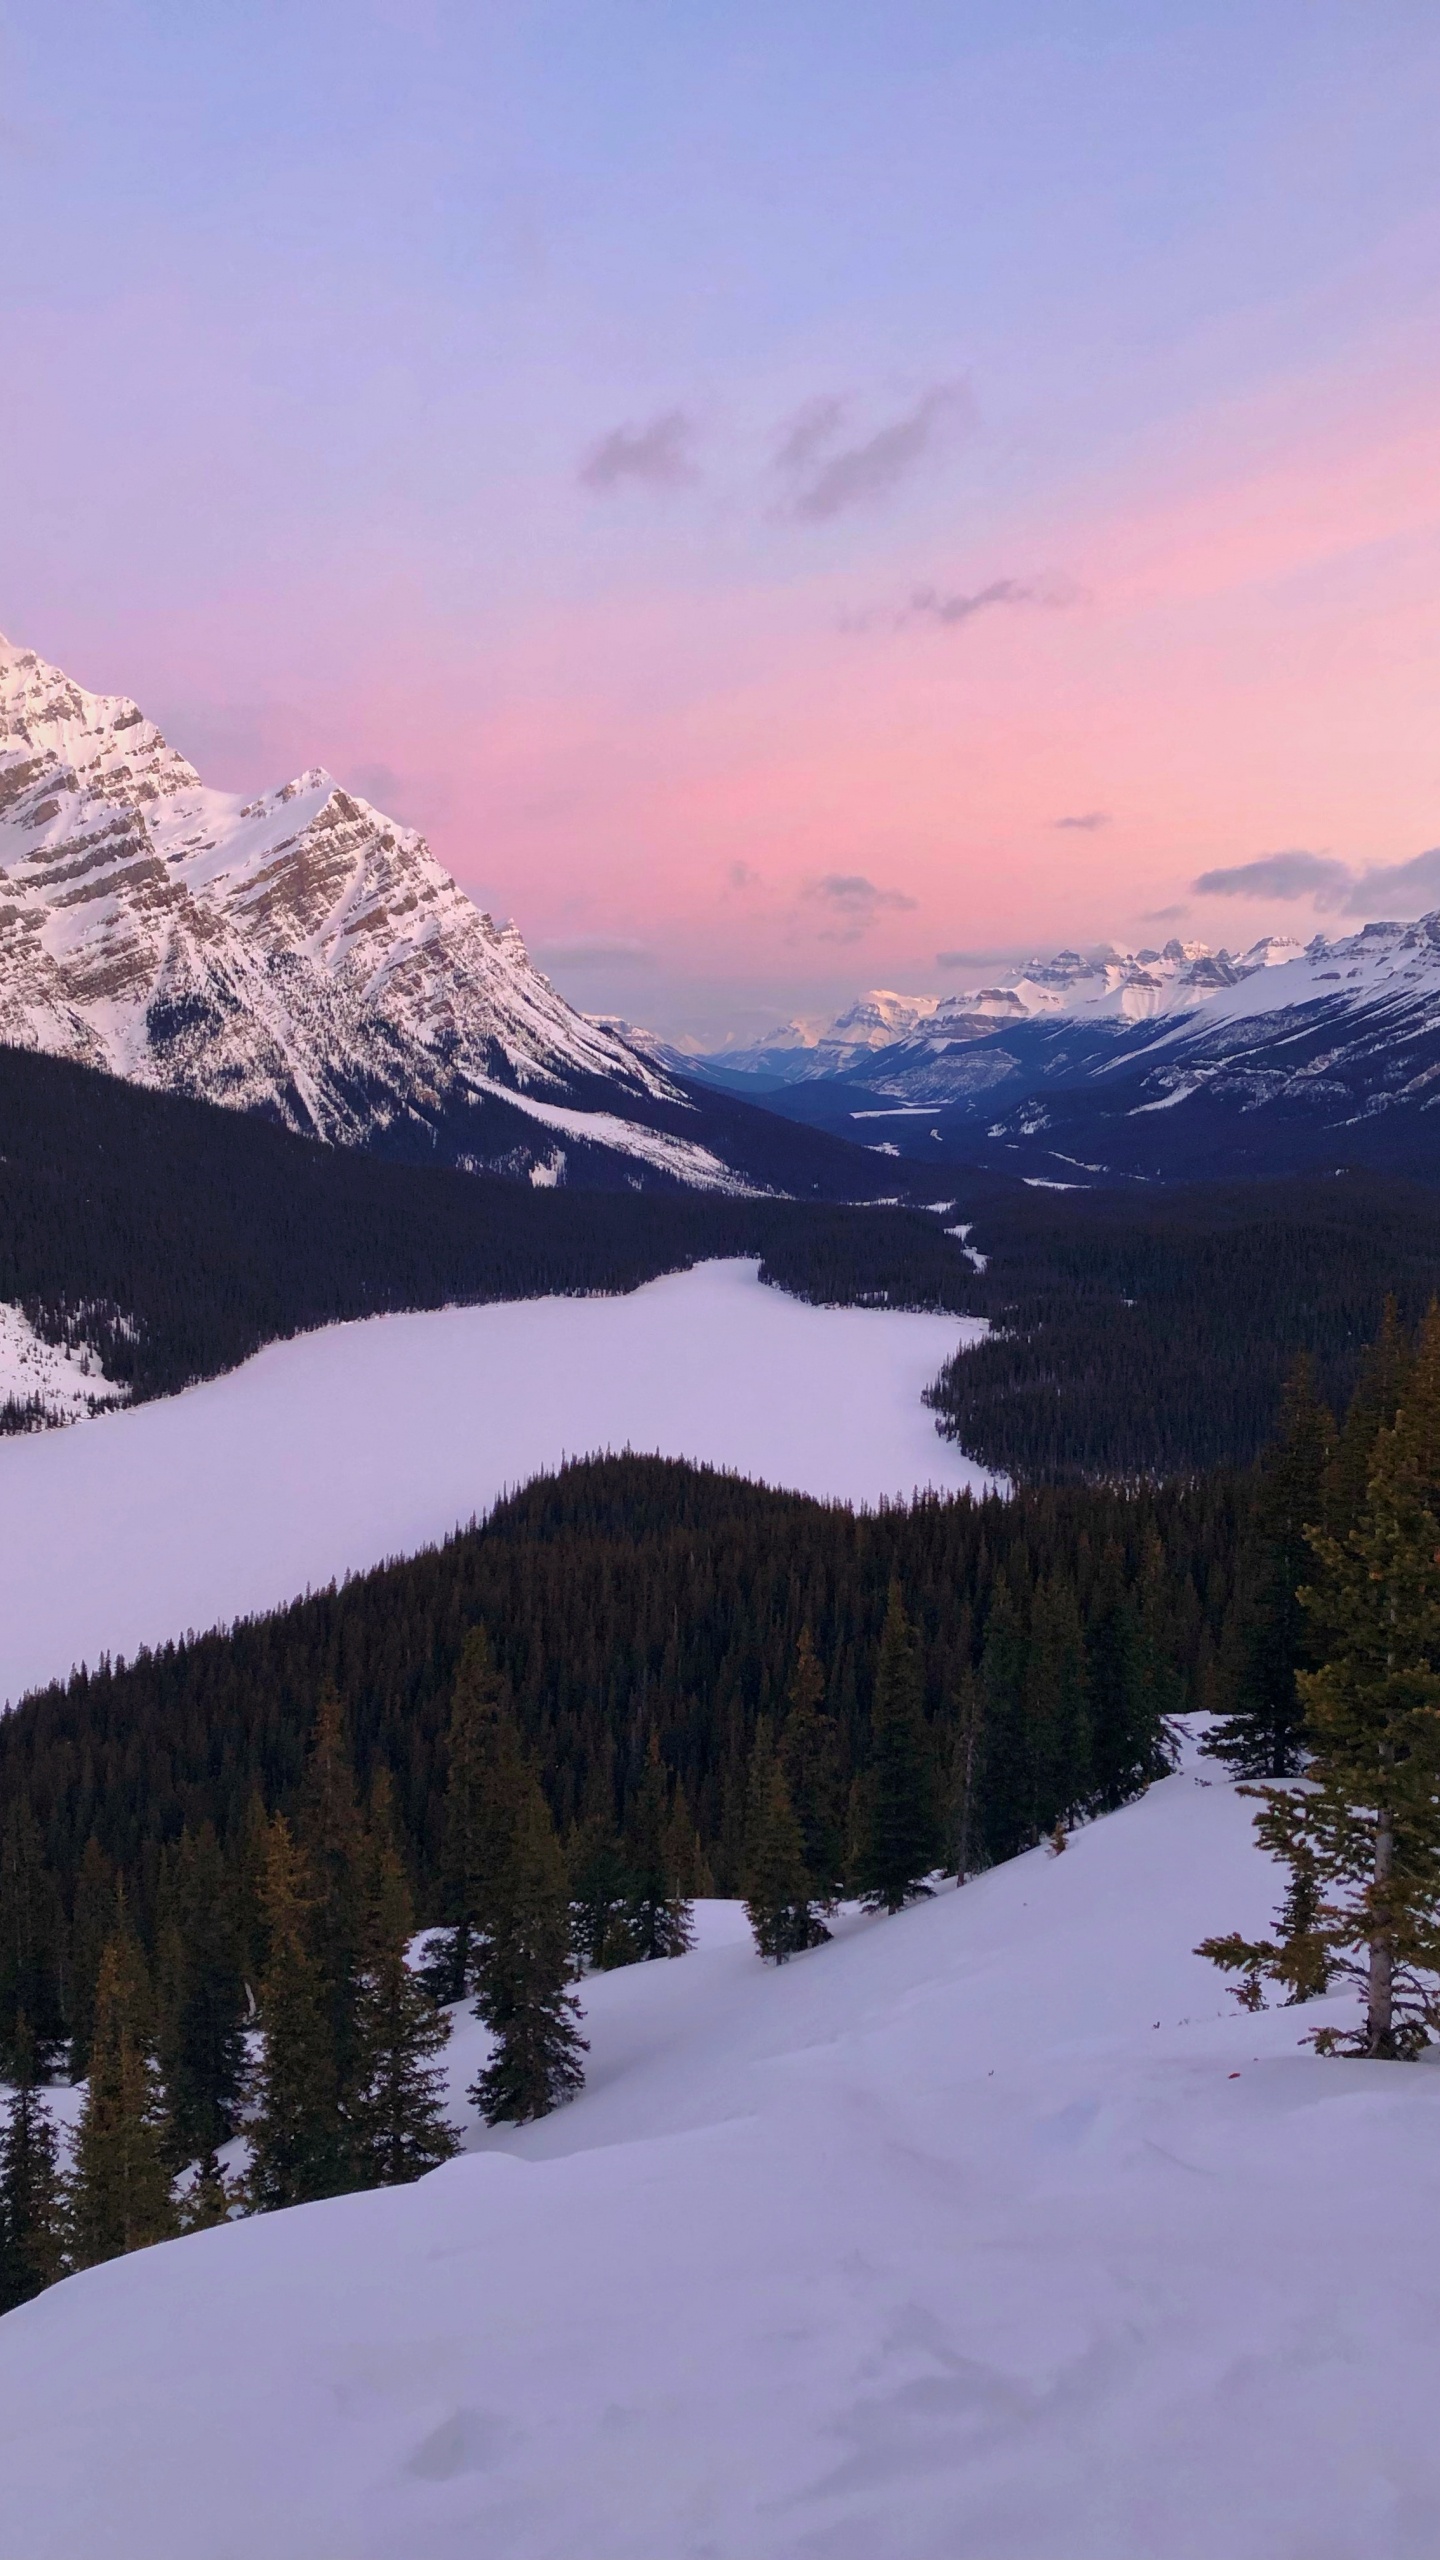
x=743, y=494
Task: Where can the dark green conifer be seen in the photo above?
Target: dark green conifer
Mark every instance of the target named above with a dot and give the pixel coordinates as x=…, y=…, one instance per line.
x=203, y=2004
x=34, y=2223
x=472, y=1844
x=122, y=2196
x=299, y=2146
x=777, y=1887
x=810, y=1760
x=330, y=1836
x=597, y=1886
x=900, y=1842
x=402, y=2126
x=525, y=1967
x=30, y=1937
x=92, y=1927
x=657, y=1913
x=1362, y=1839
x=1268, y=1642
x=1056, y=1707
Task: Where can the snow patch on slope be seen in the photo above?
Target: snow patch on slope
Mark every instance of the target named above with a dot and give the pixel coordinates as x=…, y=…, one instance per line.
x=59, y=1383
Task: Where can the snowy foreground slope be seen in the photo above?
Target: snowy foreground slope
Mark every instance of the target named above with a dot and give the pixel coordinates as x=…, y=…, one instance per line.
x=990, y=2232
x=325, y=1455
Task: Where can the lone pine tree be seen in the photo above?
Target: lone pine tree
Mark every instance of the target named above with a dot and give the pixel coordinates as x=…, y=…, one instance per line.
x=330, y=1836
x=122, y=2196
x=898, y=1827
x=525, y=1961
x=401, y=2124
x=776, y=1882
x=1363, y=1837
x=34, y=2222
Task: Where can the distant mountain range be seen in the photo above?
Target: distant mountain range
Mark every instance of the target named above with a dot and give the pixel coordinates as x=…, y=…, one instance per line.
x=1170, y=1064
x=303, y=956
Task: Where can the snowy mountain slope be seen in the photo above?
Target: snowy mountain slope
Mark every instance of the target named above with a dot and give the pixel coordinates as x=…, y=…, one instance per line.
x=889, y=1039
x=1282, y=1064
x=302, y=955
x=990, y=2232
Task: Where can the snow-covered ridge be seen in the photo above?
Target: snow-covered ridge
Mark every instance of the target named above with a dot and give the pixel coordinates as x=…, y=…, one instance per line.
x=299, y=953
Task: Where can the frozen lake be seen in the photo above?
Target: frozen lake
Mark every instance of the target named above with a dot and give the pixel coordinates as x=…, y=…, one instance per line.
x=325, y=1455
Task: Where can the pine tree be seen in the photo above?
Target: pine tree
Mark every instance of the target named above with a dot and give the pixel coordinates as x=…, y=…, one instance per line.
x=1384, y=1373
x=402, y=2126
x=657, y=1913
x=122, y=2196
x=900, y=1842
x=330, y=1836
x=965, y=1754
x=525, y=1968
x=597, y=1889
x=810, y=1760
x=203, y=2003
x=1260, y=1733
x=777, y=1887
x=30, y=1937
x=211, y=2198
x=471, y=1846
x=299, y=2147
x=91, y=1928
x=1363, y=1838
x=33, y=2218
x=1056, y=1705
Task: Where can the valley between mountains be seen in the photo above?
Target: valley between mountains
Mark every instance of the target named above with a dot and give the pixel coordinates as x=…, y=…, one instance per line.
x=635, y=1685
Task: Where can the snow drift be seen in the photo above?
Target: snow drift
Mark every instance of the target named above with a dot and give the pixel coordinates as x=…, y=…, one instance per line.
x=990, y=2232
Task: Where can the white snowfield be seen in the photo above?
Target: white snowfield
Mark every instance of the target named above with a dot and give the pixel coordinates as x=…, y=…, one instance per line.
x=989, y=2232
x=324, y=1455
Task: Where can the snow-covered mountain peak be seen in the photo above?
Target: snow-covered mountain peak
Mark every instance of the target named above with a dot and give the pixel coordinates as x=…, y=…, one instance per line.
x=297, y=952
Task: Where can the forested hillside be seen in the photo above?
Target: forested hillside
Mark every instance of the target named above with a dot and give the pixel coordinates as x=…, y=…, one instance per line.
x=630, y=1602
x=176, y=1237
x=1149, y=1333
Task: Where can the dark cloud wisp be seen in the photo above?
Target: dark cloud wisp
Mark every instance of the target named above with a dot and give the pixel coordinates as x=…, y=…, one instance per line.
x=930, y=604
x=1334, y=887
x=831, y=479
x=1086, y=823
x=657, y=455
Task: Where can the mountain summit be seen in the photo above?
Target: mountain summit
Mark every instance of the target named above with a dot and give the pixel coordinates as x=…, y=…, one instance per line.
x=306, y=957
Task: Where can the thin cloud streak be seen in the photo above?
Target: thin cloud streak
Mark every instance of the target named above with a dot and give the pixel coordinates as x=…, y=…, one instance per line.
x=862, y=474
x=658, y=455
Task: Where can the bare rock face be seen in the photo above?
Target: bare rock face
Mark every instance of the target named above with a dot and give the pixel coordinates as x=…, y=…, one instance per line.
x=299, y=954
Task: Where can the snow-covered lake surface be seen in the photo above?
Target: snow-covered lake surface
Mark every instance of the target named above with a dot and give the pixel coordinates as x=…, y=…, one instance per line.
x=990, y=2232
x=327, y=1454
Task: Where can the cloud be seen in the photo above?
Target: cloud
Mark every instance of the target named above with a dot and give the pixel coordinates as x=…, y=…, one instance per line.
x=1396, y=884
x=739, y=875
x=855, y=902
x=1164, y=915
x=977, y=959
x=1295, y=874
x=1087, y=823
x=1333, y=887
x=804, y=438
x=658, y=455
x=597, y=955
x=852, y=891
x=829, y=483
x=949, y=610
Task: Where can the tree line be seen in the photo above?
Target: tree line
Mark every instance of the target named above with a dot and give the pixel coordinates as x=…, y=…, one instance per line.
x=175, y=1237
x=1148, y=1332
